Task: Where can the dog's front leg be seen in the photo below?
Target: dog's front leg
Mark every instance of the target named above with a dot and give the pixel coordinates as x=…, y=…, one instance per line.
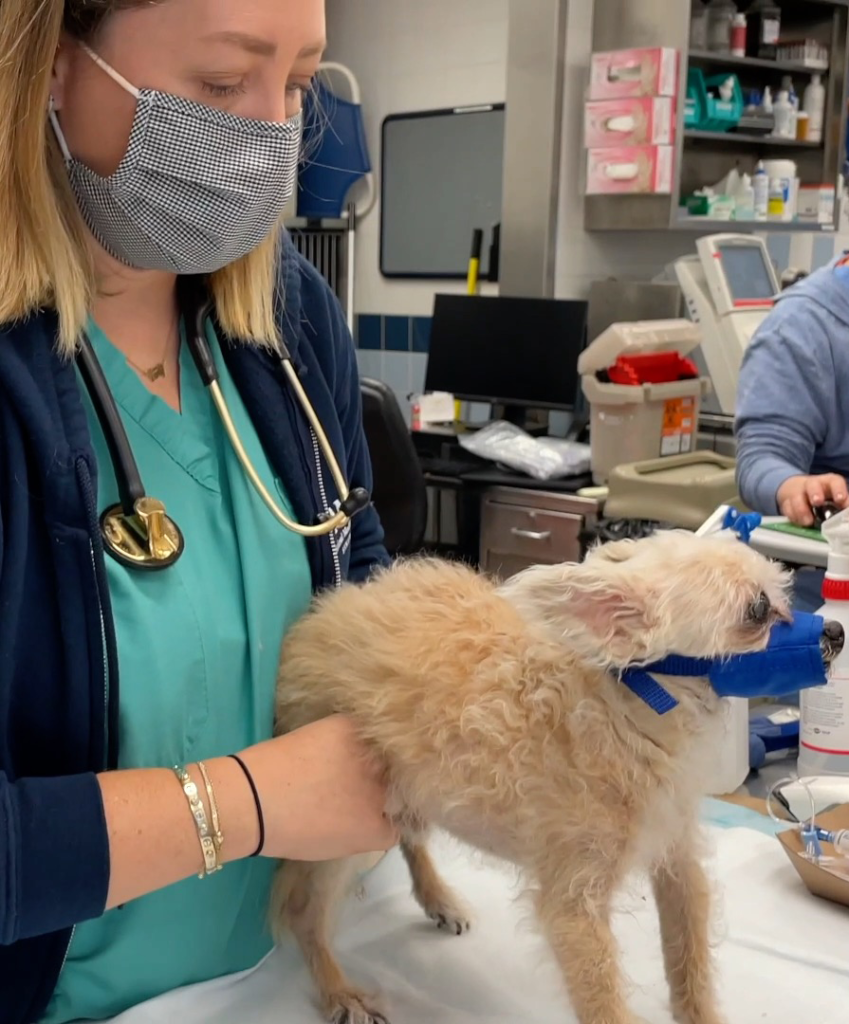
x=578, y=928
x=682, y=892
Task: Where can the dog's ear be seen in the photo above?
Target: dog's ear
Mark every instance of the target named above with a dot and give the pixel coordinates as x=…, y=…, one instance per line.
x=599, y=608
x=613, y=610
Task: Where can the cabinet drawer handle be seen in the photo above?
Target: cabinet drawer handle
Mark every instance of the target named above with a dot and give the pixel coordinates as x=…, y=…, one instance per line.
x=531, y=534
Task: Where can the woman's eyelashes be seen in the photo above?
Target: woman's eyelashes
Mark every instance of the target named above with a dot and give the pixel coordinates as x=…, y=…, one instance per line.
x=222, y=90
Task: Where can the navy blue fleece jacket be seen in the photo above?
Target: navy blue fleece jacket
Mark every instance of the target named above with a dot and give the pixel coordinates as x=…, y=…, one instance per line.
x=59, y=677
x=792, y=408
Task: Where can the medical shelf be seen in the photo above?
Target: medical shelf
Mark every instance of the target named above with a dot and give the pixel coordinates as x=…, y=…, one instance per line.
x=783, y=67
x=703, y=158
x=733, y=138
x=706, y=226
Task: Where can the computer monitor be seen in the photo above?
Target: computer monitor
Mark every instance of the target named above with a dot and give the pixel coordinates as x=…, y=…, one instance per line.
x=515, y=352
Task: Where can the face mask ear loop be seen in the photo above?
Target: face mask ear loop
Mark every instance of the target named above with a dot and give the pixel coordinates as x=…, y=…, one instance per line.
x=57, y=131
x=109, y=70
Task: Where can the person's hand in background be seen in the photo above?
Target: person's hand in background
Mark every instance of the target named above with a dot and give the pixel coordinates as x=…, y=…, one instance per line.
x=800, y=494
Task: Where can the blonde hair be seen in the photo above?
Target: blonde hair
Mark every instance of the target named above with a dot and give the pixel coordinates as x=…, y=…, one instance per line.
x=44, y=254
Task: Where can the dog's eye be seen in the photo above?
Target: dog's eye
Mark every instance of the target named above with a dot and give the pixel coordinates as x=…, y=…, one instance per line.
x=759, y=610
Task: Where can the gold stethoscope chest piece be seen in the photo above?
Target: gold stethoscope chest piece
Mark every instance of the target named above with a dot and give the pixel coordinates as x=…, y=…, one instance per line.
x=137, y=531
x=148, y=539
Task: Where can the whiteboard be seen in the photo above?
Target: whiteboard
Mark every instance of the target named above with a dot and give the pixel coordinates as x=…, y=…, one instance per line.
x=441, y=177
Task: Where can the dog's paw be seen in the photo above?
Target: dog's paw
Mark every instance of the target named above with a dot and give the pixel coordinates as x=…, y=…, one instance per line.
x=450, y=918
x=353, y=1008
x=702, y=1017
x=689, y=1018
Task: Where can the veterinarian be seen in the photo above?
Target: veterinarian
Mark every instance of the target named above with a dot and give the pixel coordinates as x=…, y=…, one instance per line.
x=792, y=415
x=142, y=140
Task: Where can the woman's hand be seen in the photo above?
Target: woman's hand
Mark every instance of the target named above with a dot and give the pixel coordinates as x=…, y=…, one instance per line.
x=798, y=495
x=321, y=798
x=322, y=795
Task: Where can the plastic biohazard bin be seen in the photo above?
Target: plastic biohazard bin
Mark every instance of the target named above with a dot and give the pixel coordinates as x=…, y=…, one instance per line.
x=644, y=393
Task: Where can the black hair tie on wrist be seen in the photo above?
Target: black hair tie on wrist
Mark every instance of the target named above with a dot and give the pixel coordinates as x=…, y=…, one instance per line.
x=260, y=818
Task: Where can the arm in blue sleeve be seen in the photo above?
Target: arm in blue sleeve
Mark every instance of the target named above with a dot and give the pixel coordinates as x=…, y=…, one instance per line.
x=785, y=400
x=54, y=851
x=367, y=547
x=54, y=855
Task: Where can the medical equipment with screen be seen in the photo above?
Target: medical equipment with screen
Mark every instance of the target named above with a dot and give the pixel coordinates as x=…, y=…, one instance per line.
x=137, y=532
x=729, y=287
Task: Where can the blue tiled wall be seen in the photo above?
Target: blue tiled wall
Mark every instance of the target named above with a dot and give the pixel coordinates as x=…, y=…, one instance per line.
x=394, y=349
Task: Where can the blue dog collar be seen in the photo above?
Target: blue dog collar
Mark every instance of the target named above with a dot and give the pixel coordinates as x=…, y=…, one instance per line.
x=792, y=661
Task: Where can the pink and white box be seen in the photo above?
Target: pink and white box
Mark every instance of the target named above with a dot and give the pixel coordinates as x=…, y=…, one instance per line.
x=646, y=72
x=630, y=170
x=632, y=121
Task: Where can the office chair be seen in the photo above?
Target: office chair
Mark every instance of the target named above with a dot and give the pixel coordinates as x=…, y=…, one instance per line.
x=399, y=492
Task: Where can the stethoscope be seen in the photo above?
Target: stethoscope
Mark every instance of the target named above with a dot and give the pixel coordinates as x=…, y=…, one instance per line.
x=138, y=531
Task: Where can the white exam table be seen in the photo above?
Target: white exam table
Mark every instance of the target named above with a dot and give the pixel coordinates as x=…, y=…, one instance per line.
x=783, y=955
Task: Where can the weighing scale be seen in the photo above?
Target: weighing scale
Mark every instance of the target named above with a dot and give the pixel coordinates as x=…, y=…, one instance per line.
x=730, y=287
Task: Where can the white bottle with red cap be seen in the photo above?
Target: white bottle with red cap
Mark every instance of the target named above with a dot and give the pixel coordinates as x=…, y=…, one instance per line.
x=824, y=726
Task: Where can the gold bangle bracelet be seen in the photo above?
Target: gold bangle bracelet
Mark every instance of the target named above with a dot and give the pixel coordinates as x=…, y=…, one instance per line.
x=207, y=844
x=217, y=834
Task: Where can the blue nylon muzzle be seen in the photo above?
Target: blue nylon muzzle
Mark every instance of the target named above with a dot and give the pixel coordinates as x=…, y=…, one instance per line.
x=793, y=660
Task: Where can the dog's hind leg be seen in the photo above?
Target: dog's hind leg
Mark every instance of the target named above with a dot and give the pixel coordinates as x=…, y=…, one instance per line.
x=682, y=893
x=304, y=899
x=435, y=898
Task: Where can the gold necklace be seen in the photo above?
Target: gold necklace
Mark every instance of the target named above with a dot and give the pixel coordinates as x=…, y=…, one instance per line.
x=152, y=373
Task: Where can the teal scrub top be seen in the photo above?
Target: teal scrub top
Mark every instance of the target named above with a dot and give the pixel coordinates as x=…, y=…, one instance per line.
x=198, y=646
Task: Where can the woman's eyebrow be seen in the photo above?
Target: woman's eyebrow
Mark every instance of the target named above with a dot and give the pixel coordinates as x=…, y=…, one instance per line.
x=258, y=45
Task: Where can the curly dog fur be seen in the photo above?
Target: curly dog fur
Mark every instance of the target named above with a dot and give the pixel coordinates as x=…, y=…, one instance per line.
x=499, y=713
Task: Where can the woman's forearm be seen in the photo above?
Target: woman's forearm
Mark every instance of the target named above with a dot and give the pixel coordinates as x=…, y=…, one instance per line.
x=153, y=839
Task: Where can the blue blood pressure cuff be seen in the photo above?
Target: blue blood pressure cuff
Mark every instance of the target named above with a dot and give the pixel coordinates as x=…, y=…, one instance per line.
x=793, y=660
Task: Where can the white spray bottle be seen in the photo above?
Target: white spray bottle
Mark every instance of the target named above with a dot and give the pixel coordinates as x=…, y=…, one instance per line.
x=824, y=727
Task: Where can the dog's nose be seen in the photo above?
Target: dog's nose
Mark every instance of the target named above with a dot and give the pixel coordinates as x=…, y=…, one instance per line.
x=834, y=636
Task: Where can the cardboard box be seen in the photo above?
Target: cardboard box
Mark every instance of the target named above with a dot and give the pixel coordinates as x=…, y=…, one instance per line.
x=825, y=882
x=647, y=72
x=633, y=121
x=630, y=170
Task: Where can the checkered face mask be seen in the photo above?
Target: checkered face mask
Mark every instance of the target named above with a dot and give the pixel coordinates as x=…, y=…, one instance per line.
x=197, y=189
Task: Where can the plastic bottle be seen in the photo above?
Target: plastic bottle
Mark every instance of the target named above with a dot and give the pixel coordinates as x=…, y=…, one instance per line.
x=699, y=26
x=760, y=185
x=764, y=29
x=787, y=83
x=814, y=106
x=777, y=203
x=745, y=200
x=721, y=15
x=784, y=121
x=738, y=35
x=824, y=725
x=767, y=104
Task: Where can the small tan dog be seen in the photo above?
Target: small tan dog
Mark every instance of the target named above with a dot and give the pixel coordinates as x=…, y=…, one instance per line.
x=501, y=717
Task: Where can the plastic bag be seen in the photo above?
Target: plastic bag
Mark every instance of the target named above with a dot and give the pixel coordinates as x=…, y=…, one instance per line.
x=543, y=458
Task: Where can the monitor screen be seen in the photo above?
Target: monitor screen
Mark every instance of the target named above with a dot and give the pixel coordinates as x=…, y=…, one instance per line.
x=747, y=272
x=441, y=177
x=507, y=350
